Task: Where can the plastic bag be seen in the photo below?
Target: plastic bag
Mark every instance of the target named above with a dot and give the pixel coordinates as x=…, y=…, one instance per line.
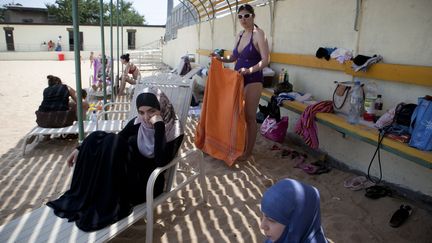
x=274, y=130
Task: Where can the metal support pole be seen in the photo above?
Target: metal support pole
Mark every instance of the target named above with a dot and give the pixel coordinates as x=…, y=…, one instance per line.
x=121, y=21
x=75, y=20
x=103, y=49
x=111, y=51
x=118, y=45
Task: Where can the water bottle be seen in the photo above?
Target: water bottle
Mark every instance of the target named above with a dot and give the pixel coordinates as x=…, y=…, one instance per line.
x=356, y=104
x=93, y=116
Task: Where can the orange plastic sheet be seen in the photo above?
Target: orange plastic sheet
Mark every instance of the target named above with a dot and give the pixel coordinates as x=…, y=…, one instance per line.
x=221, y=131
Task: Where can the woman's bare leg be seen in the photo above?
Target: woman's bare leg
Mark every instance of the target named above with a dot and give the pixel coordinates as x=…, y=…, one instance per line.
x=123, y=84
x=252, y=94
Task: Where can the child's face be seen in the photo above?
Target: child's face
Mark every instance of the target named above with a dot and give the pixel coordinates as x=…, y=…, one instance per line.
x=272, y=229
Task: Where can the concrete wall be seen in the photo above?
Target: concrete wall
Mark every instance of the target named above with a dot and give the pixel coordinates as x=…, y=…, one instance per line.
x=30, y=37
x=399, y=30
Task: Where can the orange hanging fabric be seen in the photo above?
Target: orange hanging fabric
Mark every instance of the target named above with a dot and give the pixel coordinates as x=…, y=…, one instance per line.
x=221, y=131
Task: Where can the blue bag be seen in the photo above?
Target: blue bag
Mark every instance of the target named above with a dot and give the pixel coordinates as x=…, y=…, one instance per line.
x=421, y=120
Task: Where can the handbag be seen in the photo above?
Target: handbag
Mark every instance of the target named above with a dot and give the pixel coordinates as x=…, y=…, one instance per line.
x=342, y=95
x=273, y=130
x=421, y=120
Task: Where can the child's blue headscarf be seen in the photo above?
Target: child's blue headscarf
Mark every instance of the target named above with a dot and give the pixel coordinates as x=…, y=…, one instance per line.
x=297, y=206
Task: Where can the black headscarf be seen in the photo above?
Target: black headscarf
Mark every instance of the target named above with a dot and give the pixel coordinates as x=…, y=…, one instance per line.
x=147, y=99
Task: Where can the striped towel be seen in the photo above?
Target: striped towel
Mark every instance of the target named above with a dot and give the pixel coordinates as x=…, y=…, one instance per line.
x=306, y=126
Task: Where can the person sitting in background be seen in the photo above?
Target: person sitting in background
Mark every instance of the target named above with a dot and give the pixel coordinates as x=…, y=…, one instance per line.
x=131, y=69
x=291, y=213
x=56, y=110
x=111, y=170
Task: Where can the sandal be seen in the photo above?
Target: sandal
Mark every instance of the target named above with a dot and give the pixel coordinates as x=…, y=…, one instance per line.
x=400, y=216
x=275, y=147
x=358, y=183
x=308, y=168
x=375, y=192
x=323, y=167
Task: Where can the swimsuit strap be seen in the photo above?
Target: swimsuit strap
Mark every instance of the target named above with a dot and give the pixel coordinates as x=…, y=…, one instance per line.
x=238, y=42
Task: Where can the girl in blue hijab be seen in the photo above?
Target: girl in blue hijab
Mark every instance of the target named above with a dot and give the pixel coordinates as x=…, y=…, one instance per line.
x=291, y=213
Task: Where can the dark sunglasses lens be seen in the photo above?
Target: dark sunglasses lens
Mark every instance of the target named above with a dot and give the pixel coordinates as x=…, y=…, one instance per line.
x=240, y=16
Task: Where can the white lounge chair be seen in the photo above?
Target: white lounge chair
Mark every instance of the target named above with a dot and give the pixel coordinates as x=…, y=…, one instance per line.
x=89, y=127
x=42, y=225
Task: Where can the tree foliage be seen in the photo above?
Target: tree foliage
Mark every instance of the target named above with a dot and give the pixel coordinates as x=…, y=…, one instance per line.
x=88, y=12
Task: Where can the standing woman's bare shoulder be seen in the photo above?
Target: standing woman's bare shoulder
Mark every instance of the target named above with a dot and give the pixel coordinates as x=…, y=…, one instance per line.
x=259, y=34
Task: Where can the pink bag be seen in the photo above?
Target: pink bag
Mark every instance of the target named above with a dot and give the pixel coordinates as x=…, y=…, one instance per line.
x=273, y=130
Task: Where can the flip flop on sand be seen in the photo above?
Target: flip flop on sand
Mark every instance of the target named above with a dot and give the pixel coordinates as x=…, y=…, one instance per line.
x=275, y=147
x=357, y=183
x=400, y=216
x=323, y=167
x=375, y=192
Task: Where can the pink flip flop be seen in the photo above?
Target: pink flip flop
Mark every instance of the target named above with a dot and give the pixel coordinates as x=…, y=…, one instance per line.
x=358, y=183
x=308, y=168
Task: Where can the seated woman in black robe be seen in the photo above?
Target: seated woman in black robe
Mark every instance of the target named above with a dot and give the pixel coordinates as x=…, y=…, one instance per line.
x=111, y=170
x=56, y=110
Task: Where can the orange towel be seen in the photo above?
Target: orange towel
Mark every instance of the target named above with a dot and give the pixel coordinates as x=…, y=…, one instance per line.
x=221, y=131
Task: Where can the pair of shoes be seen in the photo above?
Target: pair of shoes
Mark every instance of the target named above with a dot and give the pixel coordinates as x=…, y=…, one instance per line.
x=400, y=216
x=358, y=183
x=375, y=192
x=323, y=167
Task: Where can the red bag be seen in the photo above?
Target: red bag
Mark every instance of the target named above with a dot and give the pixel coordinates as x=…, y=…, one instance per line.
x=274, y=130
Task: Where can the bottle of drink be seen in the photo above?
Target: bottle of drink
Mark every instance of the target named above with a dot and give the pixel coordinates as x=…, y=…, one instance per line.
x=93, y=116
x=356, y=104
x=281, y=76
x=286, y=77
x=379, y=103
x=369, y=104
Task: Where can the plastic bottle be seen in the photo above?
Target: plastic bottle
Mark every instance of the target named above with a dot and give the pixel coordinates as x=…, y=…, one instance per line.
x=281, y=75
x=93, y=116
x=369, y=104
x=356, y=104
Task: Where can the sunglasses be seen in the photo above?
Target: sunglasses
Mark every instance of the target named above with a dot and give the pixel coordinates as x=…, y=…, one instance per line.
x=246, y=16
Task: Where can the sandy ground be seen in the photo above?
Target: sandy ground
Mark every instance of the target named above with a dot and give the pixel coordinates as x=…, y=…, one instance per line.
x=232, y=213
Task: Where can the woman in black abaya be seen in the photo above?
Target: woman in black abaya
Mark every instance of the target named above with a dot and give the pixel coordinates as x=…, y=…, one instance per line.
x=111, y=170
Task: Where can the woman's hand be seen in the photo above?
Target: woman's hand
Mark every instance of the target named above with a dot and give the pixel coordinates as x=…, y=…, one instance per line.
x=71, y=160
x=156, y=118
x=244, y=71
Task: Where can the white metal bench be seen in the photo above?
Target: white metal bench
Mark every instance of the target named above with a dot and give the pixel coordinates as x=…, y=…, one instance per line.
x=42, y=225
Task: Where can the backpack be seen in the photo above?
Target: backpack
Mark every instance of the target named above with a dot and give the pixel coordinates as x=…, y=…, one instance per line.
x=403, y=114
